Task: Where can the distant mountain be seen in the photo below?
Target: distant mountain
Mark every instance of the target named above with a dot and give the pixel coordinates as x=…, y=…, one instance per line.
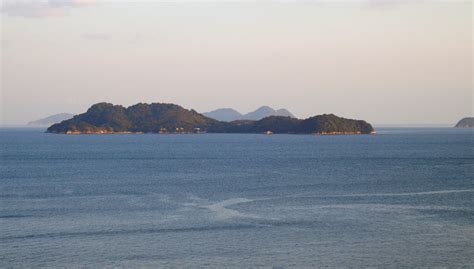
x=466, y=123
x=224, y=114
x=48, y=121
x=284, y=113
x=169, y=118
x=229, y=114
x=266, y=111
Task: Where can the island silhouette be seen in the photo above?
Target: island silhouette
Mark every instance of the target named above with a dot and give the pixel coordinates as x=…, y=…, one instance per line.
x=467, y=122
x=230, y=114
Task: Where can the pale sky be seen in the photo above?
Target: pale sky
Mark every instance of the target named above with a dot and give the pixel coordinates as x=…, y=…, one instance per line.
x=387, y=62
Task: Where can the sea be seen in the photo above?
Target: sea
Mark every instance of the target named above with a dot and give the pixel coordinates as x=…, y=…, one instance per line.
x=400, y=199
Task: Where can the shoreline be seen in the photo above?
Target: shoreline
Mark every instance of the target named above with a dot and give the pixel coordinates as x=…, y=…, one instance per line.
x=192, y=133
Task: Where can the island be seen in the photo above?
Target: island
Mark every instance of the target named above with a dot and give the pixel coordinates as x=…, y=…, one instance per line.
x=466, y=123
x=106, y=118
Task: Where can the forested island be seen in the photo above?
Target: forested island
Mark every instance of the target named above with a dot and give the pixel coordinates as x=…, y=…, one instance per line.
x=104, y=118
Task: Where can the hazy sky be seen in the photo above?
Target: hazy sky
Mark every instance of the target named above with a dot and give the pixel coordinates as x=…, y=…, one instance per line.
x=390, y=62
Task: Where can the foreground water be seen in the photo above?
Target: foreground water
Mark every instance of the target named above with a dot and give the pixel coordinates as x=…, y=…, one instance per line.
x=403, y=198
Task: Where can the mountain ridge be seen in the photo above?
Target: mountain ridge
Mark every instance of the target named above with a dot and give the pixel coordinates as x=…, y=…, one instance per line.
x=47, y=121
x=467, y=122
x=224, y=114
x=230, y=114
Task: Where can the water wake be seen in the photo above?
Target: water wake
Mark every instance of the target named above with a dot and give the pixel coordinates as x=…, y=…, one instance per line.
x=388, y=194
x=220, y=210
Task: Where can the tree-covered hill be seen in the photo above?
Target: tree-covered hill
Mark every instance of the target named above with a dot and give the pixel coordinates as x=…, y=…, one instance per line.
x=275, y=124
x=332, y=124
x=153, y=118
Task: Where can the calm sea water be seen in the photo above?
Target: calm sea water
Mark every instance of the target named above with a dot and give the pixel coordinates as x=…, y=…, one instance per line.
x=402, y=198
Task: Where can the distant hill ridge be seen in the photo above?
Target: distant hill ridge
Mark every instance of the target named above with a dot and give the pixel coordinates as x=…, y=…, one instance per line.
x=45, y=122
x=467, y=122
x=171, y=118
x=230, y=114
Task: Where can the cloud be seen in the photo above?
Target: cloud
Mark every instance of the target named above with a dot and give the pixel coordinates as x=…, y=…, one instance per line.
x=390, y=3
x=48, y=8
x=40, y=8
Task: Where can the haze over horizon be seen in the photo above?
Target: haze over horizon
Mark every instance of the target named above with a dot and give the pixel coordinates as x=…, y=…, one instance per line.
x=387, y=62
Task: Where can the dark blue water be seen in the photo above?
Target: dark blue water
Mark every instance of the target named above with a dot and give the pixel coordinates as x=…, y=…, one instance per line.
x=402, y=198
